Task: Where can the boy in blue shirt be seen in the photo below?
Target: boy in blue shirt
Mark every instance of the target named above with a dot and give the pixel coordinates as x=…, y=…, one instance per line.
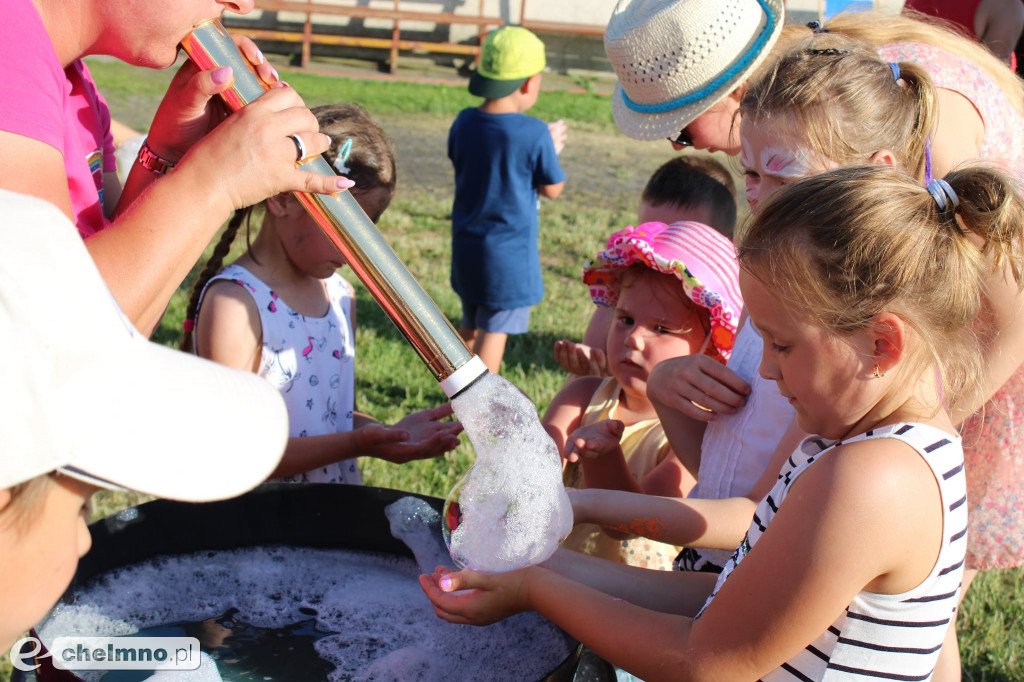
x=503, y=161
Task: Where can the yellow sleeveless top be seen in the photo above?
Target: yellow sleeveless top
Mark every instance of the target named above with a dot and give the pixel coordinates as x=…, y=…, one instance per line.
x=645, y=446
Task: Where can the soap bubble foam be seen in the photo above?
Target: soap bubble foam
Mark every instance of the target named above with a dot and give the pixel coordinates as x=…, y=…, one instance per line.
x=381, y=625
x=418, y=525
x=510, y=509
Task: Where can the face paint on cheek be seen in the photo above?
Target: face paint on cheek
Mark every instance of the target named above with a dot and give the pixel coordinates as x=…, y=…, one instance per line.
x=746, y=156
x=785, y=163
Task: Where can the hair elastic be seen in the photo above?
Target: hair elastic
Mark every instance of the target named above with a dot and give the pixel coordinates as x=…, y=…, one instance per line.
x=188, y=325
x=817, y=27
x=945, y=198
x=832, y=51
x=895, y=68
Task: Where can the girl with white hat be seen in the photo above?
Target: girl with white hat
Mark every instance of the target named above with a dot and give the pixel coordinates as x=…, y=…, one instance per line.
x=682, y=66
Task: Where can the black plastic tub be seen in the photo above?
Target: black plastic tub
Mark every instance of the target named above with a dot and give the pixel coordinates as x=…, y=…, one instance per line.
x=321, y=516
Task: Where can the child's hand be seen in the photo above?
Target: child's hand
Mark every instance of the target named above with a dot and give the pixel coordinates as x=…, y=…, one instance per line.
x=474, y=598
x=594, y=440
x=559, y=134
x=581, y=359
x=422, y=436
x=697, y=386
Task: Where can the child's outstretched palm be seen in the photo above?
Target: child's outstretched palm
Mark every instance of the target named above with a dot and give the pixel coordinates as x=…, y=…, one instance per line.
x=581, y=359
x=594, y=441
x=420, y=435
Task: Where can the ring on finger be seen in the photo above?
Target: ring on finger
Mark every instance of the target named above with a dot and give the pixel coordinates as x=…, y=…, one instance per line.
x=300, y=147
x=701, y=407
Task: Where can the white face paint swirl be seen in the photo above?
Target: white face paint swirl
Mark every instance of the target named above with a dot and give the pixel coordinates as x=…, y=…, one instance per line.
x=771, y=159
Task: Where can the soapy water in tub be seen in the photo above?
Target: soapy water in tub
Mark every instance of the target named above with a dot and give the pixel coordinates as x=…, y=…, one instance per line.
x=362, y=613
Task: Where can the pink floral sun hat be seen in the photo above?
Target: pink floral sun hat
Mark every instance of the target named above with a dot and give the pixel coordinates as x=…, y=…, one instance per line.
x=702, y=259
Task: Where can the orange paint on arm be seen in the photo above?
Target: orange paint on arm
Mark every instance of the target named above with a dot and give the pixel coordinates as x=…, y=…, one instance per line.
x=648, y=528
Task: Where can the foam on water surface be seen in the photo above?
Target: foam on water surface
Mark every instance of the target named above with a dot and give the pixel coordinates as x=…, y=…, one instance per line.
x=510, y=509
x=418, y=525
x=375, y=621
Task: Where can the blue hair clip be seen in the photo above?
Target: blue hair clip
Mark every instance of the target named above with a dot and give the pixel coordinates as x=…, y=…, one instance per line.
x=895, y=68
x=340, y=163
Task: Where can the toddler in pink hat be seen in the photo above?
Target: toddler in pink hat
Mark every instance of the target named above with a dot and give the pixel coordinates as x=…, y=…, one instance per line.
x=700, y=257
x=675, y=292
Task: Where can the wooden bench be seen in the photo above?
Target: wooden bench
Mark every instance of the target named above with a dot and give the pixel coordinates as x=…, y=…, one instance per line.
x=395, y=44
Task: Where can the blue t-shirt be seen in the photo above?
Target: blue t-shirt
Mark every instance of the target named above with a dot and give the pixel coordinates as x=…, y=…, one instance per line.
x=500, y=160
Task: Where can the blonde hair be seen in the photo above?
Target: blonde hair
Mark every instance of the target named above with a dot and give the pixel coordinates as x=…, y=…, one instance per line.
x=879, y=28
x=848, y=244
x=846, y=102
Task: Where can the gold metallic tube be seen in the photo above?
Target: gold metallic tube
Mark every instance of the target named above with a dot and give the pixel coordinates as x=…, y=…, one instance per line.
x=368, y=254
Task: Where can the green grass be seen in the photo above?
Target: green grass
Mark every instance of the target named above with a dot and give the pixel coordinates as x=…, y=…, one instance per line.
x=391, y=381
x=586, y=110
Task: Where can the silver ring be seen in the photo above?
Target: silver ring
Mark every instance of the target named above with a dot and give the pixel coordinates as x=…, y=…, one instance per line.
x=300, y=147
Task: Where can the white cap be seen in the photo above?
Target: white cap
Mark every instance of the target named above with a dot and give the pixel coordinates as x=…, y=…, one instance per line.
x=85, y=393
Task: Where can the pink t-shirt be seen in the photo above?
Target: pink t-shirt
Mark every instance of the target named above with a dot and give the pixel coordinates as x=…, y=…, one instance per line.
x=60, y=107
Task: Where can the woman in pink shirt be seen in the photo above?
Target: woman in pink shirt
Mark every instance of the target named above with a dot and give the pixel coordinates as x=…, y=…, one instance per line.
x=55, y=139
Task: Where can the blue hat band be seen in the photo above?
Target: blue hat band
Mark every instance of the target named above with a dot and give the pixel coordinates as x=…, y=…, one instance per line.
x=712, y=87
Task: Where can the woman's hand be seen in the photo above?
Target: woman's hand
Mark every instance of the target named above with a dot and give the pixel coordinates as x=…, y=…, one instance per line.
x=697, y=386
x=190, y=108
x=251, y=156
x=467, y=597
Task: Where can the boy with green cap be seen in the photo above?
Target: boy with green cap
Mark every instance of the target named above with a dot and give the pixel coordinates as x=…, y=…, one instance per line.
x=503, y=161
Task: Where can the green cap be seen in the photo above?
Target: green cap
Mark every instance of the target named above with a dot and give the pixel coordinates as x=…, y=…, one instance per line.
x=508, y=57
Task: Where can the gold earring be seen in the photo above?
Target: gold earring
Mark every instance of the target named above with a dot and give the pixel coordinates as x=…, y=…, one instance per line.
x=879, y=373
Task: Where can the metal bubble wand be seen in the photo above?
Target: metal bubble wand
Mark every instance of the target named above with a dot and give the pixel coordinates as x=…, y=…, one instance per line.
x=401, y=297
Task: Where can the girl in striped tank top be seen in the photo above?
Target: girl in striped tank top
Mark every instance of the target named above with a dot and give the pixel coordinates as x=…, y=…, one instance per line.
x=864, y=287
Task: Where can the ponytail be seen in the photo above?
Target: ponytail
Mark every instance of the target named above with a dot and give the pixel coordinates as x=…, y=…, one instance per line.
x=213, y=266
x=990, y=207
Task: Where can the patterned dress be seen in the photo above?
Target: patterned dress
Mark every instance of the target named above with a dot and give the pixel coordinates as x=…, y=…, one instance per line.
x=993, y=439
x=311, y=361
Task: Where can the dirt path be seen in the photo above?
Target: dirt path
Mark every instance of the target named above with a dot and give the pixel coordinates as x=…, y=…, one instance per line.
x=603, y=168
x=600, y=167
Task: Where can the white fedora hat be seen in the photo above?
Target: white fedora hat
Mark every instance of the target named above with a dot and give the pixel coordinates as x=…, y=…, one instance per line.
x=676, y=58
x=87, y=395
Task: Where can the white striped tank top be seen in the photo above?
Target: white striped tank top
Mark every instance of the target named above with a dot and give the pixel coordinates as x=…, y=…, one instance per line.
x=881, y=636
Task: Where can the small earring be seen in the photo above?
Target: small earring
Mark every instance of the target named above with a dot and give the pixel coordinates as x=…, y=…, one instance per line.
x=879, y=373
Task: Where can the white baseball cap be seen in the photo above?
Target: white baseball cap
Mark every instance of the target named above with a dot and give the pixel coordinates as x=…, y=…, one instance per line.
x=86, y=394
